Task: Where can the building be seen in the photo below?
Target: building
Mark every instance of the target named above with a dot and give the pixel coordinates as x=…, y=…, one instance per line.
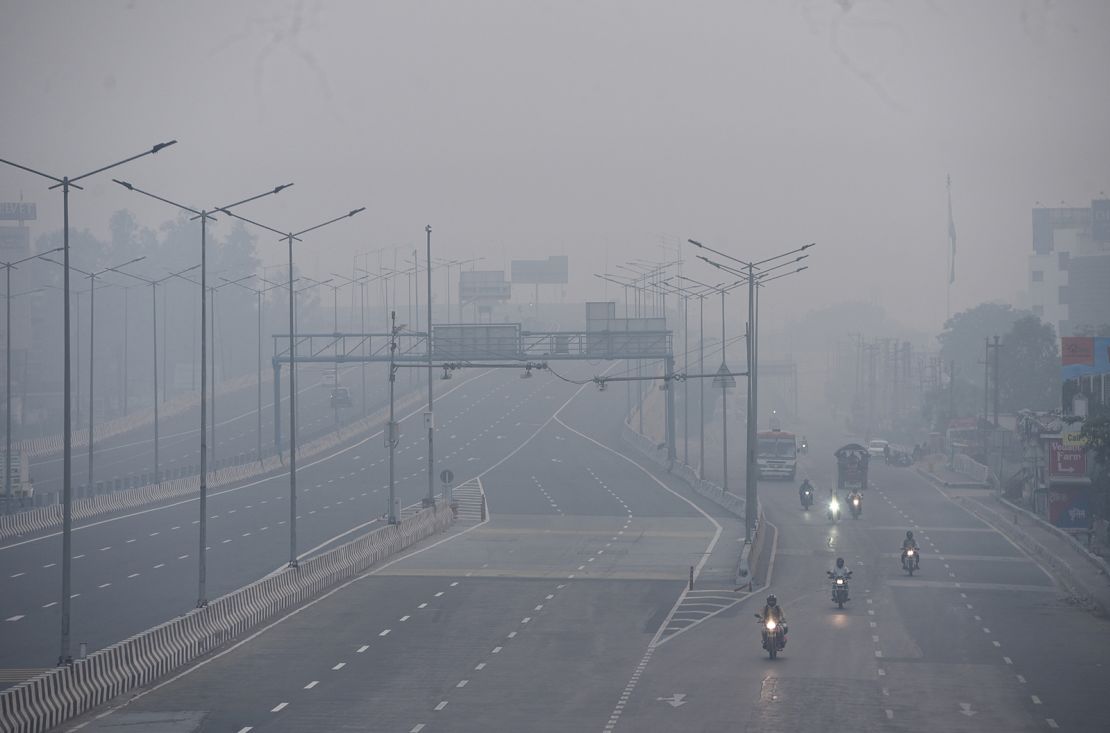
x=1069, y=269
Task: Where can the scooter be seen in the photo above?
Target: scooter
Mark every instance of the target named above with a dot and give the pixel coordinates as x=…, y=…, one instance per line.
x=807, y=499
x=910, y=561
x=856, y=507
x=774, y=636
x=839, y=588
x=834, y=509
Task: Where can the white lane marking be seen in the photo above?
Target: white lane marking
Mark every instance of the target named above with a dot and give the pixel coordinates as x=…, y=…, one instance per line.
x=266, y=479
x=102, y=549
x=246, y=729
x=423, y=605
x=339, y=666
x=14, y=618
x=362, y=648
x=480, y=667
x=462, y=683
x=996, y=643
x=417, y=728
x=384, y=632
x=538, y=608
x=183, y=557
x=160, y=565
x=1051, y=723
x=1036, y=700
x=279, y=707
x=48, y=605
x=442, y=704
x=512, y=634
x=103, y=585
x=526, y=619
x=312, y=684
x=437, y=595
x=16, y=575
x=889, y=714
x=49, y=565
x=1007, y=660
x=454, y=584
x=496, y=650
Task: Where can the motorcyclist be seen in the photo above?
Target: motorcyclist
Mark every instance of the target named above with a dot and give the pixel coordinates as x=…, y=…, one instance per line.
x=840, y=571
x=911, y=543
x=853, y=496
x=772, y=610
x=805, y=445
x=806, y=486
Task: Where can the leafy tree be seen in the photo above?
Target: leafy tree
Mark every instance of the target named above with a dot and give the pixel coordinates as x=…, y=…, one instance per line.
x=1097, y=432
x=962, y=338
x=1029, y=366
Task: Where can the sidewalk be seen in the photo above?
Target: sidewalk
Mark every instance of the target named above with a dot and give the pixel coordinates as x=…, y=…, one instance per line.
x=1085, y=576
x=938, y=472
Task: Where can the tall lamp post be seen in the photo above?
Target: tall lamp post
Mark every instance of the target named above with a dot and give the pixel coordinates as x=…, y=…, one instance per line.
x=205, y=216
x=8, y=266
x=66, y=183
x=92, y=276
x=754, y=273
x=154, y=283
x=289, y=238
x=259, y=292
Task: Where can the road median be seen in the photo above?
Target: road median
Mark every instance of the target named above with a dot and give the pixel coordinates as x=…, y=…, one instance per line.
x=61, y=694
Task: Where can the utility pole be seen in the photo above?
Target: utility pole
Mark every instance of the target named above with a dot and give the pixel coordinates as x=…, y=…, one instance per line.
x=996, y=346
x=986, y=377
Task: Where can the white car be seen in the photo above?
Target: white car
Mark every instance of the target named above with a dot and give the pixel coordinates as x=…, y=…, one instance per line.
x=877, y=447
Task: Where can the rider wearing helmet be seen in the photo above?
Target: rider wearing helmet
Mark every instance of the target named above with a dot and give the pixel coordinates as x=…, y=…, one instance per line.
x=772, y=609
x=911, y=543
x=840, y=571
x=802, y=489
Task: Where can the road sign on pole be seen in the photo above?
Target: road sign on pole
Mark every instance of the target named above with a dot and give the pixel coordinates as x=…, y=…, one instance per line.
x=446, y=476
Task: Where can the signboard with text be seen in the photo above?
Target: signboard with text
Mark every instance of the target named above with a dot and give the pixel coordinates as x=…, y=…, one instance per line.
x=1068, y=507
x=1066, y=461
x=18, y=211
x=1084, y=356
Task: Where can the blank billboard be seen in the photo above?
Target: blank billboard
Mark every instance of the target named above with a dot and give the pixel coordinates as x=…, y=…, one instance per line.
x=552, y=271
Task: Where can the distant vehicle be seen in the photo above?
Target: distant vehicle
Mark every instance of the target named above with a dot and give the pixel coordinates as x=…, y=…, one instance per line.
x=877, y=447
x=776, y=454
x=340, y=397
x=851, y=467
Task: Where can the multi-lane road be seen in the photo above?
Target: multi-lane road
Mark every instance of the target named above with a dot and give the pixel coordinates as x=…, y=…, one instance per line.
x=132, y=453
x=570, y=610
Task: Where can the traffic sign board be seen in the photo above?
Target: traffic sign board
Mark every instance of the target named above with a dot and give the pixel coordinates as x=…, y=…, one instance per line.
x=446, y=476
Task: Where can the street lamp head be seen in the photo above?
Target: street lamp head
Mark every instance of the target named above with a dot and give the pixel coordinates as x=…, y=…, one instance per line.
x=356, y=211
x=282, y=187
x=160, y=146
x=695, y=242
x=125, y=184
x=807, y=246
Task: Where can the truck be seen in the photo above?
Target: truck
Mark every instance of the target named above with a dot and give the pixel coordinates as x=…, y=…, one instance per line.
x=776, y=454
x=851, y=467
x=23, y=490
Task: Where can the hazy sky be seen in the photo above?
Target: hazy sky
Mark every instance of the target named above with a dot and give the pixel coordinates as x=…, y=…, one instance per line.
x=594, y=129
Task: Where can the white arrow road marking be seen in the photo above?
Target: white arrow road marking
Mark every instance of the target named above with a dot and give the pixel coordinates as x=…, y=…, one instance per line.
x=675, y=700
x=965, y=709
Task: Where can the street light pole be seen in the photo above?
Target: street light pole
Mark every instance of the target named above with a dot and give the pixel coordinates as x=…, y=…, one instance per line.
x=430, y=500
x=65, y=182
x=289, y=238
x=8, y=377
x=204, y=216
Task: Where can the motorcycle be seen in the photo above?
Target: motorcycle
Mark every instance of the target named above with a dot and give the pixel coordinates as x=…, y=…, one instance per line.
x=839, y=588
x=807, y=499
x=834, y=509
x=910, y=561
x=856, y=507
x=774, y=636
x=804, y=447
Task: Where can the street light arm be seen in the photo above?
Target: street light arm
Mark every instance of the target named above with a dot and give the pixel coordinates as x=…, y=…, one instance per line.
x=38, y=256
x=32, y=170
x=283, y=235
x=152, y=151
x=136, y=189
x=277, y=189
x=348, y=215
x=59, y=264
x=237, y=281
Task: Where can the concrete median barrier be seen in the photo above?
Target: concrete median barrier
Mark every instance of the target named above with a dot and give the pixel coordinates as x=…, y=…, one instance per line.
x=58, y=695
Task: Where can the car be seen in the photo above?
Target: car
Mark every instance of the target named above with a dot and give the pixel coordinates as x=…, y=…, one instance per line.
x=877, y=447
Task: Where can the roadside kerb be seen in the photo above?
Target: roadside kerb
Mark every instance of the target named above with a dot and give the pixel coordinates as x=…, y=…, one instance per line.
x=55, y=696
x=749, y=554
x=48, y=517
x=1075, y=587
x=1099, y=563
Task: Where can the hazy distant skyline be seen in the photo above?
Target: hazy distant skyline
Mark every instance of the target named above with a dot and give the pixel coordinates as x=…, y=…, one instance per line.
x=595, y=130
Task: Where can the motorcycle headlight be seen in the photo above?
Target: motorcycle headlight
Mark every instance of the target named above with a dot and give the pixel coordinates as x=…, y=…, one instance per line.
x=909, y=553
x=771, y=625
x=855, y=501
x=833, y=505
x=840, y=581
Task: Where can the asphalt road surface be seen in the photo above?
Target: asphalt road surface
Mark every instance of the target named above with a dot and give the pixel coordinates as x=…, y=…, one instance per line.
x=236, y=430
x=568, y=610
